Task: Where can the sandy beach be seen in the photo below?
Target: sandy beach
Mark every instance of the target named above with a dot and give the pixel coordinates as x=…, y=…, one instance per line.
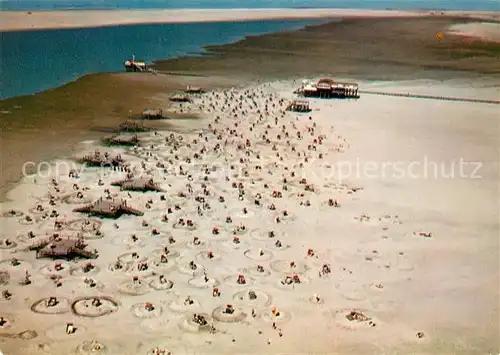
x=269, y=222
x=36, y=20
x=365, y=225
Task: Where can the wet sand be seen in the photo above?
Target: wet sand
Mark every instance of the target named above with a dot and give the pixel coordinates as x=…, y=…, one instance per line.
x=355, y=46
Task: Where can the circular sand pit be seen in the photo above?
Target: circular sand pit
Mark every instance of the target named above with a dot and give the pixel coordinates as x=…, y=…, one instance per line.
x=228, y=314
x=351, y=291
x=62, y=331
x=159, y=325
x=163, y=266
x=134, y=287
x=253, y=298
x=184, y=304
x=119, y=267
x=278, y=246
x=94, y=307
x=129, y=241
x=40, y=209
x=15, y=265
x=239, y=280
x=162, y=347
x=85, y=283
x=7, y=243
x=146, y=310
x=289, y=266
x=92, y=347
x=210, y=255
x=169, y=253
x=235, y=244
x=183, y=225
x=77, y=198
x=190, y=267
x=239, y=230
x=258, y=254
x=203, y=282
x=132, y=256
x=292, y=282
x=242, y=213
x=354, y=319
x=7, y=320
x=28, y=220
x=258, y=271
x=84, y=225
x=200, y=244
x=315, y=299
x=84, y=269
x=276, y=315
x=140, y=269
x=160, y=284
x=12, y=213
x=196, y=323
x=57, y=268
x=27, y=334
x=51, y=305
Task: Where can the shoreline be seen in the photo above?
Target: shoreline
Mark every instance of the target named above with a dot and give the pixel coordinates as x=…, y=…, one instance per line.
x=63, y=19
x=42, y=117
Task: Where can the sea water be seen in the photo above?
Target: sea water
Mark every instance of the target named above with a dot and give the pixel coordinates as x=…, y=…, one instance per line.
x=32, y=61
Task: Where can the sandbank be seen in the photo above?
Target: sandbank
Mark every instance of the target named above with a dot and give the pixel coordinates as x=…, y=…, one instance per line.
x=37, y=20
x=488, y=31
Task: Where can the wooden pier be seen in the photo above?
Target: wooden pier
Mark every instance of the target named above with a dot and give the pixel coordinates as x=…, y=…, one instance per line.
x=108, y=208
x=122, y=140
x=98, y=159
x=152, y=114
x=431, y=97
x=329, y=88
x=299, y=106
x=138, y=184
x=58, y=247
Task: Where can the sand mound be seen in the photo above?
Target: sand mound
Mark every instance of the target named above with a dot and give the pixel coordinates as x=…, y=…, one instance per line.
x=216, y=255
x=129, y=242
x=146, y=310
x=28, y=220
x=289, y=282
x=134, y=288
x=94, y=307
x=252, y=298
x=83, y=283
x=58, y=332
x=221, y=314
x=59, y=306
x=202, y=245
x=184, y=304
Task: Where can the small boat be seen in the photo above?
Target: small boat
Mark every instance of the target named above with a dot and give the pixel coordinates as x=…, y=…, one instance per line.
x=135, y=65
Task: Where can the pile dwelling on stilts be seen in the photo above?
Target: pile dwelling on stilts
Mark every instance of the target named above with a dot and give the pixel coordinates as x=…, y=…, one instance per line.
x=299, y=106
x=138, y=184
x=328, y=88
x=152, y=114
x=194, y=90
x=180, y=98
x=58, y=247
x=99, y=159
x=108, y=208
x=122, y=140
x=132, y=126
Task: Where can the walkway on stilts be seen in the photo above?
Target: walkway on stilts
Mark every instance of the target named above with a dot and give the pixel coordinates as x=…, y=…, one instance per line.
x=430, y=97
